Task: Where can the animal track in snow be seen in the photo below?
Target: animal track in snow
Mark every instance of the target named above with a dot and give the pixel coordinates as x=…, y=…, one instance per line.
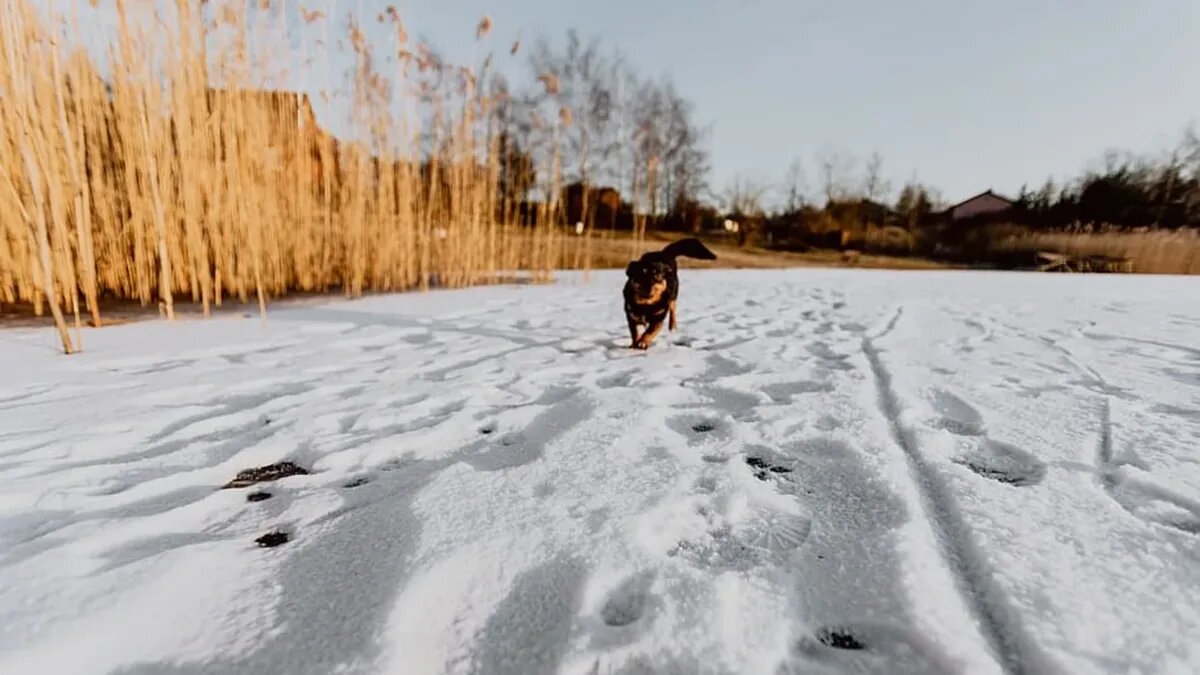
x=764, y=467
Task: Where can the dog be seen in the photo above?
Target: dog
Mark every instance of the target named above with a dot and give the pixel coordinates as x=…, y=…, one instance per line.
x=652, y=287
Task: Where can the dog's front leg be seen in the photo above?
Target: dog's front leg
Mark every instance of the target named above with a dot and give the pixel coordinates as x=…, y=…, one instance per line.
x=671, y=310
x=651, y=333
x=633, y=331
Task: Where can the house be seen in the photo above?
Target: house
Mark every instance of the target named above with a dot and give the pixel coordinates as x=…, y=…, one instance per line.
x=983, y=204
x=603, y=205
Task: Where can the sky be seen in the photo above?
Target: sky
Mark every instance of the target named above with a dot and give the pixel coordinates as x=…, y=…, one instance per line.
x=963, y=95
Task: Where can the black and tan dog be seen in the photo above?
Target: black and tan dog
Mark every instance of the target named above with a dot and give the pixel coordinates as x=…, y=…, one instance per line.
x=653, y=287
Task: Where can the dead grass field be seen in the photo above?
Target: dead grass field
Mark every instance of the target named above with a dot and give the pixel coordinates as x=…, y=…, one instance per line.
x=608, y=251
x=614, y=250
x=1162, y=252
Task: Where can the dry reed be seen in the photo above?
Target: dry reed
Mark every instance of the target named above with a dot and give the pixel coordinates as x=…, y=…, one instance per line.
x=182, y=176
x=1150, y=252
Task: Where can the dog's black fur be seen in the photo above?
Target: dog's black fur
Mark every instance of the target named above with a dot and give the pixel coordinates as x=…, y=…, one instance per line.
x=653, y=287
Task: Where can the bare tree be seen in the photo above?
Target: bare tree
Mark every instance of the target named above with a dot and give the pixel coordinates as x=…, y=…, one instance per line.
x=795, y=187
x=837, y=170
x=875, y=187
x=915, y=202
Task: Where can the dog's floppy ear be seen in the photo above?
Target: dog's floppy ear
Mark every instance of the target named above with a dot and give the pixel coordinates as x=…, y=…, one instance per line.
x=629, y=269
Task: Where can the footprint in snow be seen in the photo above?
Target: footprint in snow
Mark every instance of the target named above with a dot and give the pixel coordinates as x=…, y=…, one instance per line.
x=873, y=647
x=955, y=415
x=697, y=430
x=784, y=392
x=418, y=338
x=768, y=538
x=616, y=380
x=1004, y=463
x=627, y=603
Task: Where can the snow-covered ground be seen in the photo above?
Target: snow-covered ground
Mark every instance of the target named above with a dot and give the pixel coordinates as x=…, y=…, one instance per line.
x=822, y=471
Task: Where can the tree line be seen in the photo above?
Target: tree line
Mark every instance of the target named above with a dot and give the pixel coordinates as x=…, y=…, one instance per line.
x=847, y=195
x=586, y=120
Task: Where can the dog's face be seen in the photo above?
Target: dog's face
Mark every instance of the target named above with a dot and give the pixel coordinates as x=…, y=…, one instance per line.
x=648, y=279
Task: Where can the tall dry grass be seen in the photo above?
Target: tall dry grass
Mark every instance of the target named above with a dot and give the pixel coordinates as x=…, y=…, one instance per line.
x=1151, y=252
x=180, y=175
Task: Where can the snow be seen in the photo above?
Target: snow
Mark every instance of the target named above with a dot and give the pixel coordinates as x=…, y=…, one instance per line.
x=820, y=472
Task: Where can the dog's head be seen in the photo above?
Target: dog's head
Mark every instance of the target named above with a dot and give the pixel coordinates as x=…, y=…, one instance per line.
x=648, y=279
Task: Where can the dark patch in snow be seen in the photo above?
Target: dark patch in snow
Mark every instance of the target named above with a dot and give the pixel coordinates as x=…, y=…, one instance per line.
x=839, y=639
x=871, y=647
x=258, y=496
x=357, y=482
x=273, y=539
x=763, y=468
x=265, y=474
x=703, y=427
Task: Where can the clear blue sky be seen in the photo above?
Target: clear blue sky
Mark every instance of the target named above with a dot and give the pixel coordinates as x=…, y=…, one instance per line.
x=967, y=94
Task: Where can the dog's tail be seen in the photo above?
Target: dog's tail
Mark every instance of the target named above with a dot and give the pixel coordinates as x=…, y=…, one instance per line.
x=689, y=248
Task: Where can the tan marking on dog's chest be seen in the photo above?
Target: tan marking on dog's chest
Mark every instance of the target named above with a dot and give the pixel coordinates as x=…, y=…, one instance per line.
x=656, y=294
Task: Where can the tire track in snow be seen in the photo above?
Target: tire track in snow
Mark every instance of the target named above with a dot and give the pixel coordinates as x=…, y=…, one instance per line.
x=998, y=623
